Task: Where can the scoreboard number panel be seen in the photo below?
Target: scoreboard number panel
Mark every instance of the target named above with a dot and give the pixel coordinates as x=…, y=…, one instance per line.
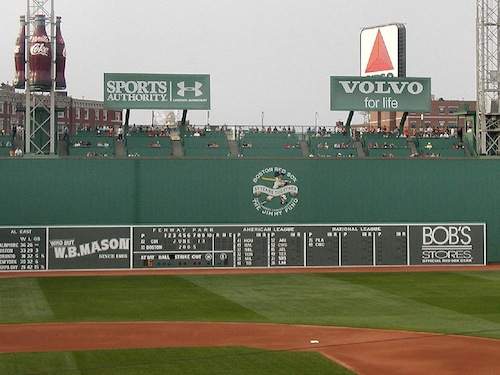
x=22, y=249
x=322, y=246
x=357, y=248
x=252, y=249
x=181, y=247
x=391, y=246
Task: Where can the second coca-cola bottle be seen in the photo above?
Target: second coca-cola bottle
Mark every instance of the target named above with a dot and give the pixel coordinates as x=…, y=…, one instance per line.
x=20, y=56
x=40, y=57
x=60, y=57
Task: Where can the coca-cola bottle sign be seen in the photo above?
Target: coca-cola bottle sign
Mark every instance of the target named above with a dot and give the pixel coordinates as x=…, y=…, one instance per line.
x=60, y=57
x=19, y=56
x=40, y=57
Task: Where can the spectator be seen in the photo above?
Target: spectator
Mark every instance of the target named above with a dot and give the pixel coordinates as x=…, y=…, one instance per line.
x=120, y=133
x=66, y=133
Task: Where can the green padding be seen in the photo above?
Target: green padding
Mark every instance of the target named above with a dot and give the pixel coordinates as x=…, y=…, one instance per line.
x=446, y=153
x=151, y=152
x=84, y=151
x=384, y=153
x=266, y=140
x=272, y=152
x=109, y=191
x=222, y=150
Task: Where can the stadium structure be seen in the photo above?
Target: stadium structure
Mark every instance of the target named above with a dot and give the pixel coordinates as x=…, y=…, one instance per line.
x=179, y=196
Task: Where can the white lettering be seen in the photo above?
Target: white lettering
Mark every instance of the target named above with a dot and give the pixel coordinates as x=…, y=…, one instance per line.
x=137, y=87
x=441, y=235
x=382, y=87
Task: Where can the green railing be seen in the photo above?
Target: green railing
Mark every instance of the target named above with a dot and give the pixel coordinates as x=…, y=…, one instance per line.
x=470, y=143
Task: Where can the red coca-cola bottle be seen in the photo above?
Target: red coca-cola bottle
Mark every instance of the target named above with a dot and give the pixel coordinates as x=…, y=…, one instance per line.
x=40, y=57
x=60, y=57
x=20, y=56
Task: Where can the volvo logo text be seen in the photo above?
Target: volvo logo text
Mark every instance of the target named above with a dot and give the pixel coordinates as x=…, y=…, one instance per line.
x=382, y=87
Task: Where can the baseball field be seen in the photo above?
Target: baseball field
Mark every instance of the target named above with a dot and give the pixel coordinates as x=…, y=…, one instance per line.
x=317, y=321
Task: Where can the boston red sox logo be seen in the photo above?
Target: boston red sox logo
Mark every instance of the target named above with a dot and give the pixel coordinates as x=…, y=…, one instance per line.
x=271, y=183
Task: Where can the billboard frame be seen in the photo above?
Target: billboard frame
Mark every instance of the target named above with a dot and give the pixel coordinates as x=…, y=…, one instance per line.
x=156, y=91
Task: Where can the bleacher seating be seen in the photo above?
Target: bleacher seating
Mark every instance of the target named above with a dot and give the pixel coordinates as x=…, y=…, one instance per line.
x=5, y=140
x=211, y=144
x=270, y=144
x=146, y=145
x=332, y=145
x=389, y=153
x=382, y=146
x=91, y=144
x=441, y=147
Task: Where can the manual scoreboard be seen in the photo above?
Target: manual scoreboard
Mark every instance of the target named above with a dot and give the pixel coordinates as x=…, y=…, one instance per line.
x=270, y=246
x=240, y=246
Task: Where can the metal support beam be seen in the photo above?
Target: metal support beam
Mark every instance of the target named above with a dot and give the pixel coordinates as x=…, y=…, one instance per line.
x=487, y=130
x=40, y=118
x=402, y=122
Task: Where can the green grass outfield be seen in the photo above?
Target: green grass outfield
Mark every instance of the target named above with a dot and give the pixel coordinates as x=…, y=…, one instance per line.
x=454, y=302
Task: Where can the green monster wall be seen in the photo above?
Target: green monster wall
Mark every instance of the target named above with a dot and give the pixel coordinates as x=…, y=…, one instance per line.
x=199, y=191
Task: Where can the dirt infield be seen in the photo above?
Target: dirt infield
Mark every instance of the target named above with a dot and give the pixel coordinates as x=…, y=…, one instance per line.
x=365, y=351
x=237, y=271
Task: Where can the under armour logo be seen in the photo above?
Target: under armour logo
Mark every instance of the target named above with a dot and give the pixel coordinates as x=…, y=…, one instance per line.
x=183, y=88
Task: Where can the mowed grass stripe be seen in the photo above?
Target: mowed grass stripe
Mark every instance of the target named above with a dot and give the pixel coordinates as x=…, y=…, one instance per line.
x=463, y=292
x=193, y=361
x=138, y=298
x=446, y=302
x=22, y=300
x=453, y=302
x=364, y=300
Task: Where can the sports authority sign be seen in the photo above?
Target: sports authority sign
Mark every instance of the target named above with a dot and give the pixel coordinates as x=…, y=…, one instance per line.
x=390, y=94
x=383, y=50
x=156, y=91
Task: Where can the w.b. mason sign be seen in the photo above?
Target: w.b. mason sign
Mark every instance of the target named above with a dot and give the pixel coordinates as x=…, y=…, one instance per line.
x=392, y=94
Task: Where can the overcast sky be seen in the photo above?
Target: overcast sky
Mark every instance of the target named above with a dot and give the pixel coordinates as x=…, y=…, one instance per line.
x=271, y=56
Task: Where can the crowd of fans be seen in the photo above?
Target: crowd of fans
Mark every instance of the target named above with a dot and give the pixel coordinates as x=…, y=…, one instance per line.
x=239, y=132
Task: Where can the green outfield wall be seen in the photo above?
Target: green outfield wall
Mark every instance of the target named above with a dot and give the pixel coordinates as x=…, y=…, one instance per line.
x=38, y=191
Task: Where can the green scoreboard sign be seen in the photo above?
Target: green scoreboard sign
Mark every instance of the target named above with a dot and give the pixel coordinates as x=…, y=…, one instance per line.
x=156, y=91
x=391, y=94
x=235, y=246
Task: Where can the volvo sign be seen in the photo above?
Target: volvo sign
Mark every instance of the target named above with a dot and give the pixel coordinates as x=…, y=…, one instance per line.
x=380, y=94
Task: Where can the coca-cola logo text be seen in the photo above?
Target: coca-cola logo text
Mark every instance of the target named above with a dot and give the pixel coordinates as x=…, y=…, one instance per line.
x=39, y=49
x=40, y=39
